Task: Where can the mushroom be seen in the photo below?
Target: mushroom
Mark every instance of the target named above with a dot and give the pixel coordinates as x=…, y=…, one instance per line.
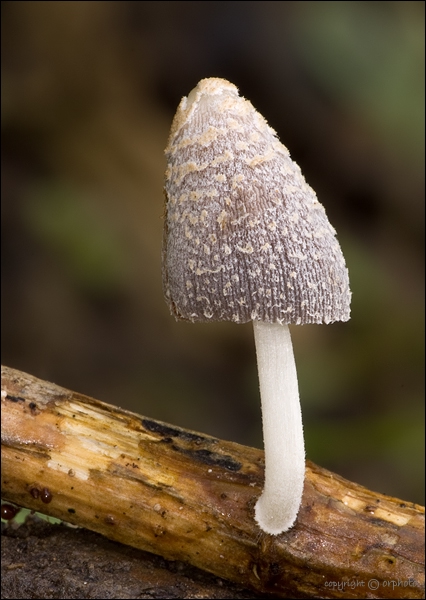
x=245, y=239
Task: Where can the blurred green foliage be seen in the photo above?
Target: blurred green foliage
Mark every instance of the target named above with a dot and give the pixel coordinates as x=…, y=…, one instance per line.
x=82, y=240
x=369, y=57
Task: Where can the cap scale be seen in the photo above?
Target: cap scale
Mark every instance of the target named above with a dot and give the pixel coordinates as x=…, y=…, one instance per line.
x=245, y=236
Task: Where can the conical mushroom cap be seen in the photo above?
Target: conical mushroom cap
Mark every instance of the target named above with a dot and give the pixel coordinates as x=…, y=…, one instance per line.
x=245, y=237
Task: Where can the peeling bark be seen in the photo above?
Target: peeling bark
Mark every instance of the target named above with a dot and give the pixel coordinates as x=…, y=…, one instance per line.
x=190, y=497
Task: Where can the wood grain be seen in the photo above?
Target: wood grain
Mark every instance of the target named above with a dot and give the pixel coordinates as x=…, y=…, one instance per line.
x=187, y=496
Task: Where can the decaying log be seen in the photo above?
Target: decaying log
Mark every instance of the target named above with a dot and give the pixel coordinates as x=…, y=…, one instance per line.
x=190, y=497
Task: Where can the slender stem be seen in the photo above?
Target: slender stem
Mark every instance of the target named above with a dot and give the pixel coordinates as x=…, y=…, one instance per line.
x=277, y=508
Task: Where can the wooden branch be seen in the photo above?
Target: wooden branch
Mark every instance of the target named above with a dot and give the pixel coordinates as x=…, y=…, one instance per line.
x=190, y=497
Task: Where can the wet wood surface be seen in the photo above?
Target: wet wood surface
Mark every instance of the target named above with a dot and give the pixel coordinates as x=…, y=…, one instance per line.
x=190, y=497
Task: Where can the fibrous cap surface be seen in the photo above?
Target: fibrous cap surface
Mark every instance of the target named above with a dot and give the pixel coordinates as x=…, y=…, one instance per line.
x=245, y=237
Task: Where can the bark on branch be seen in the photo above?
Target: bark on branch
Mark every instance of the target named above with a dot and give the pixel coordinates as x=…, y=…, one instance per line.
x=190, y=497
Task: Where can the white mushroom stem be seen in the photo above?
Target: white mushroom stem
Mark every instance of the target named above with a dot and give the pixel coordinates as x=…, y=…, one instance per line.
x=277, y=508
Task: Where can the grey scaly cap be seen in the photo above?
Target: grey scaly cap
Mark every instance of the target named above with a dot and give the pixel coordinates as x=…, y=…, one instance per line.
x=245, y=237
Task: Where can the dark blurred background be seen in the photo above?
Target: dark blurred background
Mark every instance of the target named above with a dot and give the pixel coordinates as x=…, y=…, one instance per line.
x=89, y=90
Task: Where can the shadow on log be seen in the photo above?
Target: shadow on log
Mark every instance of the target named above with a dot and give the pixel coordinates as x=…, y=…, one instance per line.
x=190, y=497
x=40, y=560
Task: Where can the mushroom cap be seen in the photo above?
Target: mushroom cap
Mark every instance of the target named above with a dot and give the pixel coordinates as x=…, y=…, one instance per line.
x=245, y=237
